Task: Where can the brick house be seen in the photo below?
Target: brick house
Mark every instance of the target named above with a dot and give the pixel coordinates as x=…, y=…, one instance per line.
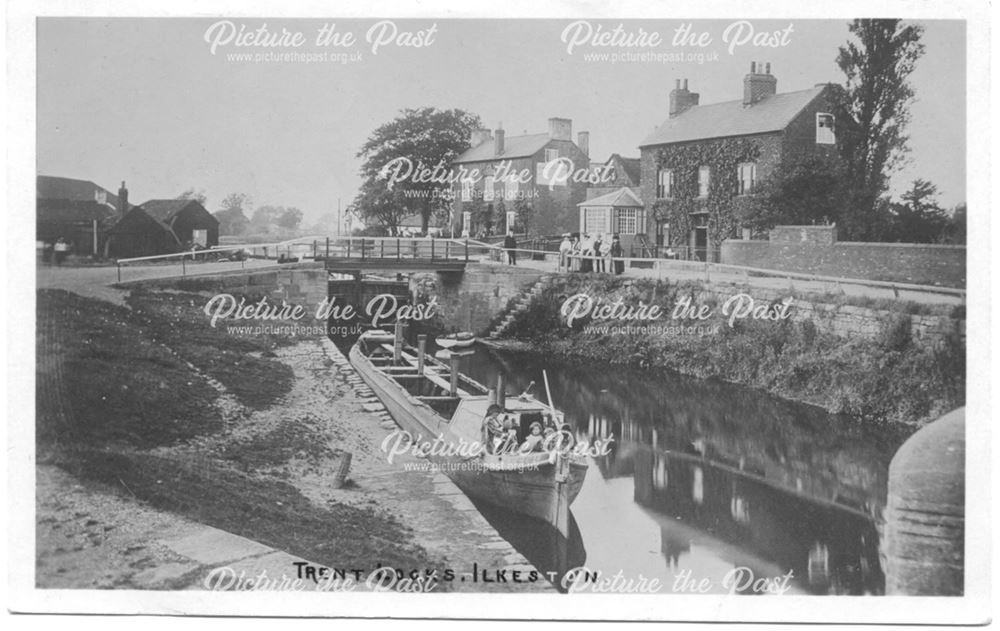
x=541, y=176
x=162, y=226
x=79, y=211
x=702, y=164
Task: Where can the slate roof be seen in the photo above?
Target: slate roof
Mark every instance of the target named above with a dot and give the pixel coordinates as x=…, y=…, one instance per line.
x=52, y=187
x=513, y=147
x=731, y=118
x=164, y=210
x=622, y=198
x=72, y=210
x=631, y=166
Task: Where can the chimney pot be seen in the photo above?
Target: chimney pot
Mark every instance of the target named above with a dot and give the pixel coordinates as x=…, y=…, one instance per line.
x=479, y=136
x=583, y=142
x=758, y=85
x=681, y=99
x=498, y=144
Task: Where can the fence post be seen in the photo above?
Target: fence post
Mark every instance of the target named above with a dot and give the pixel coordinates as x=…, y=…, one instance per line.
x=447, y=248
x=183, y=265
x=432, y=248
x=381, y=249
x=399, y=254
x=349, y=247
x=327, y=248
x=466, y=250
x=119, y=266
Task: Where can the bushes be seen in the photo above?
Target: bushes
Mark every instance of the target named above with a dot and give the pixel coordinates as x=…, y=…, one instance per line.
x=888, y=379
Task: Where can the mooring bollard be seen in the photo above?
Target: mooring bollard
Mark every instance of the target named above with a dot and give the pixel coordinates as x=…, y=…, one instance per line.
x=340, y=478
x=923, y=542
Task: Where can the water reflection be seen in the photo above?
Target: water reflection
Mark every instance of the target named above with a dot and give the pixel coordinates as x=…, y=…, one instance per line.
x=539, y=542
x=707, y=476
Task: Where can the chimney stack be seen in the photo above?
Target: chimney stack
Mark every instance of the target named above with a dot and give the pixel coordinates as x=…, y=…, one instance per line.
x=759, y=84
x=498, y=137
x=122, y=199
x=560, y=129
x=681, y=99
x=583, y=142
x=479, y=136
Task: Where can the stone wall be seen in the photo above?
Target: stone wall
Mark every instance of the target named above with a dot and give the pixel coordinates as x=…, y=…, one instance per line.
x=473, y=300
x=921, y=264
x=296, y=286
x=847, y=321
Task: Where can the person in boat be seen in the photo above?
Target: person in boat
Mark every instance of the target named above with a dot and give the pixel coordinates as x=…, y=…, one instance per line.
x=508, y=441
x=534, y=440
x=493, y=428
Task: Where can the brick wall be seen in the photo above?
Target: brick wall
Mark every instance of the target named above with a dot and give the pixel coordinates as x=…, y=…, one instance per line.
x=920, y=264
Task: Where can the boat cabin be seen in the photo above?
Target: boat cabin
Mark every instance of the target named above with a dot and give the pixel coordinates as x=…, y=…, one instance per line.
x=460, y=403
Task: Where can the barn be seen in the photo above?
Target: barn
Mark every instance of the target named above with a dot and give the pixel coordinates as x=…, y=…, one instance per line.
x=163, y=226
x=77, y=211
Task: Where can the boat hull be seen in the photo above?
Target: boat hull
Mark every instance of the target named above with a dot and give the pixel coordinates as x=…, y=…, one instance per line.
x=543, y=490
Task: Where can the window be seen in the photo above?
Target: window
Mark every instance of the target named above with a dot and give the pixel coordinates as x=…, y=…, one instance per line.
x=551, y=154
x=747, y=177
x=200, y=237
x=704, y=179
x=488, y=188
x=466, y=191
x=510, y=188
x=825, y=129
x=595, y=220
x=627, y=221
x=664, y=183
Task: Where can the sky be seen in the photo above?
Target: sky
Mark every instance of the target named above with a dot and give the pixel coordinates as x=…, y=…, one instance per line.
x=145, y=100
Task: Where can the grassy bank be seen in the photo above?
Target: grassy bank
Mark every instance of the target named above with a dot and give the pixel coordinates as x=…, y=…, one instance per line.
x=125, y=395
x=886, y=380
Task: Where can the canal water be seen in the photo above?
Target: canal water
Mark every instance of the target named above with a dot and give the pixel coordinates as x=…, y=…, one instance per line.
x=703, y=478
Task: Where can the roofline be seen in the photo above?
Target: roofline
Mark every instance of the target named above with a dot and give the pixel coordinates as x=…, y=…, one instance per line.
x=779, y=130
x=505, y=156
x=756, y=133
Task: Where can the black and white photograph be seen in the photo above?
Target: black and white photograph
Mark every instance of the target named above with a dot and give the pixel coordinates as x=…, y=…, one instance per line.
x=534, y=312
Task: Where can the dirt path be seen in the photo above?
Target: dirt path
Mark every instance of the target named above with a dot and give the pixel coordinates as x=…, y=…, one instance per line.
x=94, y=536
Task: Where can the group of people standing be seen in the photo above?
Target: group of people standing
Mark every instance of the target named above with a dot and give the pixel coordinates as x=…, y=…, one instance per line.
x=591, y=254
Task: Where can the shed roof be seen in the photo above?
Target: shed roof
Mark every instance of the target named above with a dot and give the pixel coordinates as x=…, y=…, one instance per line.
x=71, y=210
x=165, y=209
x=732, y=118
x=54, y=187
x=622, y=198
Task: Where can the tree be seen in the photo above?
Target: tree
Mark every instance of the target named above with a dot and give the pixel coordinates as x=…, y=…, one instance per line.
x=384, y=207
x=198, y=196
x=919, y=218
x=290, y=218
x=525, y=213
x=425, y=137
x=232, y=222
x=809, y=190
x=872, y=112
x=232, y=218
x=957, y=225
x=237, y=200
